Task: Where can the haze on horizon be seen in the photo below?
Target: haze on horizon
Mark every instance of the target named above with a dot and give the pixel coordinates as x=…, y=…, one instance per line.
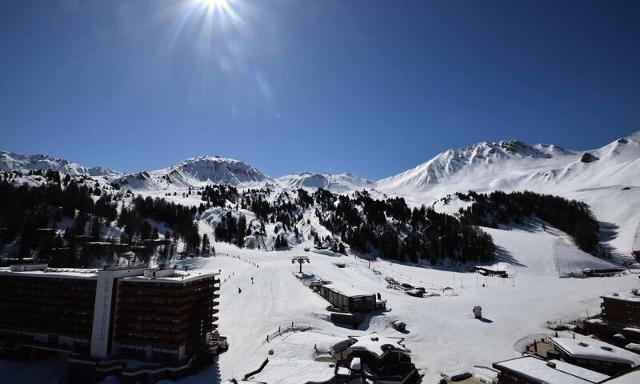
x=368, y=87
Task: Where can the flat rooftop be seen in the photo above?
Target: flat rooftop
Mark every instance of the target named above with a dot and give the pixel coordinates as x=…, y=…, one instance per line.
x=554, y=371
x=169, y=275
x=174, y=277
x=592, y=349
x=347, y=289
x=51, y=272
x=628, y=378
x=624, y=296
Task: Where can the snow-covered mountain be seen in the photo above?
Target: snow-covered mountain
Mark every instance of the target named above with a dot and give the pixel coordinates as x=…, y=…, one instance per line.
x=197, y=171
x=606, y=178
x=340, y=183
x=17, y=162
x=515, y=165
x=479, y=156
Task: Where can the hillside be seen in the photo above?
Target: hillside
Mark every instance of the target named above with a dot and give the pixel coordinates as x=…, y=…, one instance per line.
x=340, y=183
x=603, y=178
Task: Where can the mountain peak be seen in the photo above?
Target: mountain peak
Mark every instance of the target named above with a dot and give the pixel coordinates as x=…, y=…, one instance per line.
x=483, y=154
x=10, y=161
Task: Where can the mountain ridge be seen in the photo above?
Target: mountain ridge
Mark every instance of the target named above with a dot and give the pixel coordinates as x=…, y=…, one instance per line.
x=447, y=165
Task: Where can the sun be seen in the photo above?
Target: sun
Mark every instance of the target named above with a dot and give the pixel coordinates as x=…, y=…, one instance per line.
x=215, y=4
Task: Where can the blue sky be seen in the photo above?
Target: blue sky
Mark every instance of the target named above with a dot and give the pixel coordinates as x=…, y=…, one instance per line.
x=370, y=87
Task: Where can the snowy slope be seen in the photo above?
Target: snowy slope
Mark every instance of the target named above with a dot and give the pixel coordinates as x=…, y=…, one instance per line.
x=462, y=162
x=541, y=252
x=338, y=183
x=514, y=165
x=443, y=334
x=606, y=178
x=17, y=162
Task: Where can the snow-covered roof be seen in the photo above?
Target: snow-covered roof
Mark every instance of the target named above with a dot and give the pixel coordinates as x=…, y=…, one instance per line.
x=625, y=296
x=633, y=347
x=593, y=349
x=347, y=289
x=629, y=378
x=166, y=275
x=377, y=344
x=554, y=371
x=51, y=272
x=175, y=277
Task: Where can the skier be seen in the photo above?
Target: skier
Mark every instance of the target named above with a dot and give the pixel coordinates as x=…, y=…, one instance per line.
x=251, y=279
x=239, y=290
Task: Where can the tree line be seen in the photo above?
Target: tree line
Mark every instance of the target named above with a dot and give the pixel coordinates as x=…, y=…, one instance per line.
x=570, y=216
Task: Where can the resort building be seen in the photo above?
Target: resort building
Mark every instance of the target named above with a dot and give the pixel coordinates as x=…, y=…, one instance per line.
x=374, y=358
x=348, y=298
x=152, y=315
x=533, y=370
x=490, y=271
x=623, y=309
x=595, y=355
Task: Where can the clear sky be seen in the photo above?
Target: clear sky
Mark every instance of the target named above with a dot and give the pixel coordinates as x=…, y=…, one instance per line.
x=370, y=87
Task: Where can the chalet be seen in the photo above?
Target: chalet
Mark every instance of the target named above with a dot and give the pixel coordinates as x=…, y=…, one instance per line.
x=374, y=358
x=161, y=318
x=595, y=355
x=533, y=370
x=490, y=271
x=348, y=298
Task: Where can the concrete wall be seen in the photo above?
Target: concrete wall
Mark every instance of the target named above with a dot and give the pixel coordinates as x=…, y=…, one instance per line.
x=101, y=334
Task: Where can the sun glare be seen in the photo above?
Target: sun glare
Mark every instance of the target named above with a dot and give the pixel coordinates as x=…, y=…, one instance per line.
x=215, y=4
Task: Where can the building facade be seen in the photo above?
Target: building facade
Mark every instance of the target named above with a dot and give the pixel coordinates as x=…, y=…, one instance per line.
x=151, y=315
x=349, y=299
x=165, y=321
x=623, y=309
x=54, y=312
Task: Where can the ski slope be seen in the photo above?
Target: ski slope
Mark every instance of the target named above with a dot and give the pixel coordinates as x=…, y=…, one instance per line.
x=541, y=252
x=443, y=335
